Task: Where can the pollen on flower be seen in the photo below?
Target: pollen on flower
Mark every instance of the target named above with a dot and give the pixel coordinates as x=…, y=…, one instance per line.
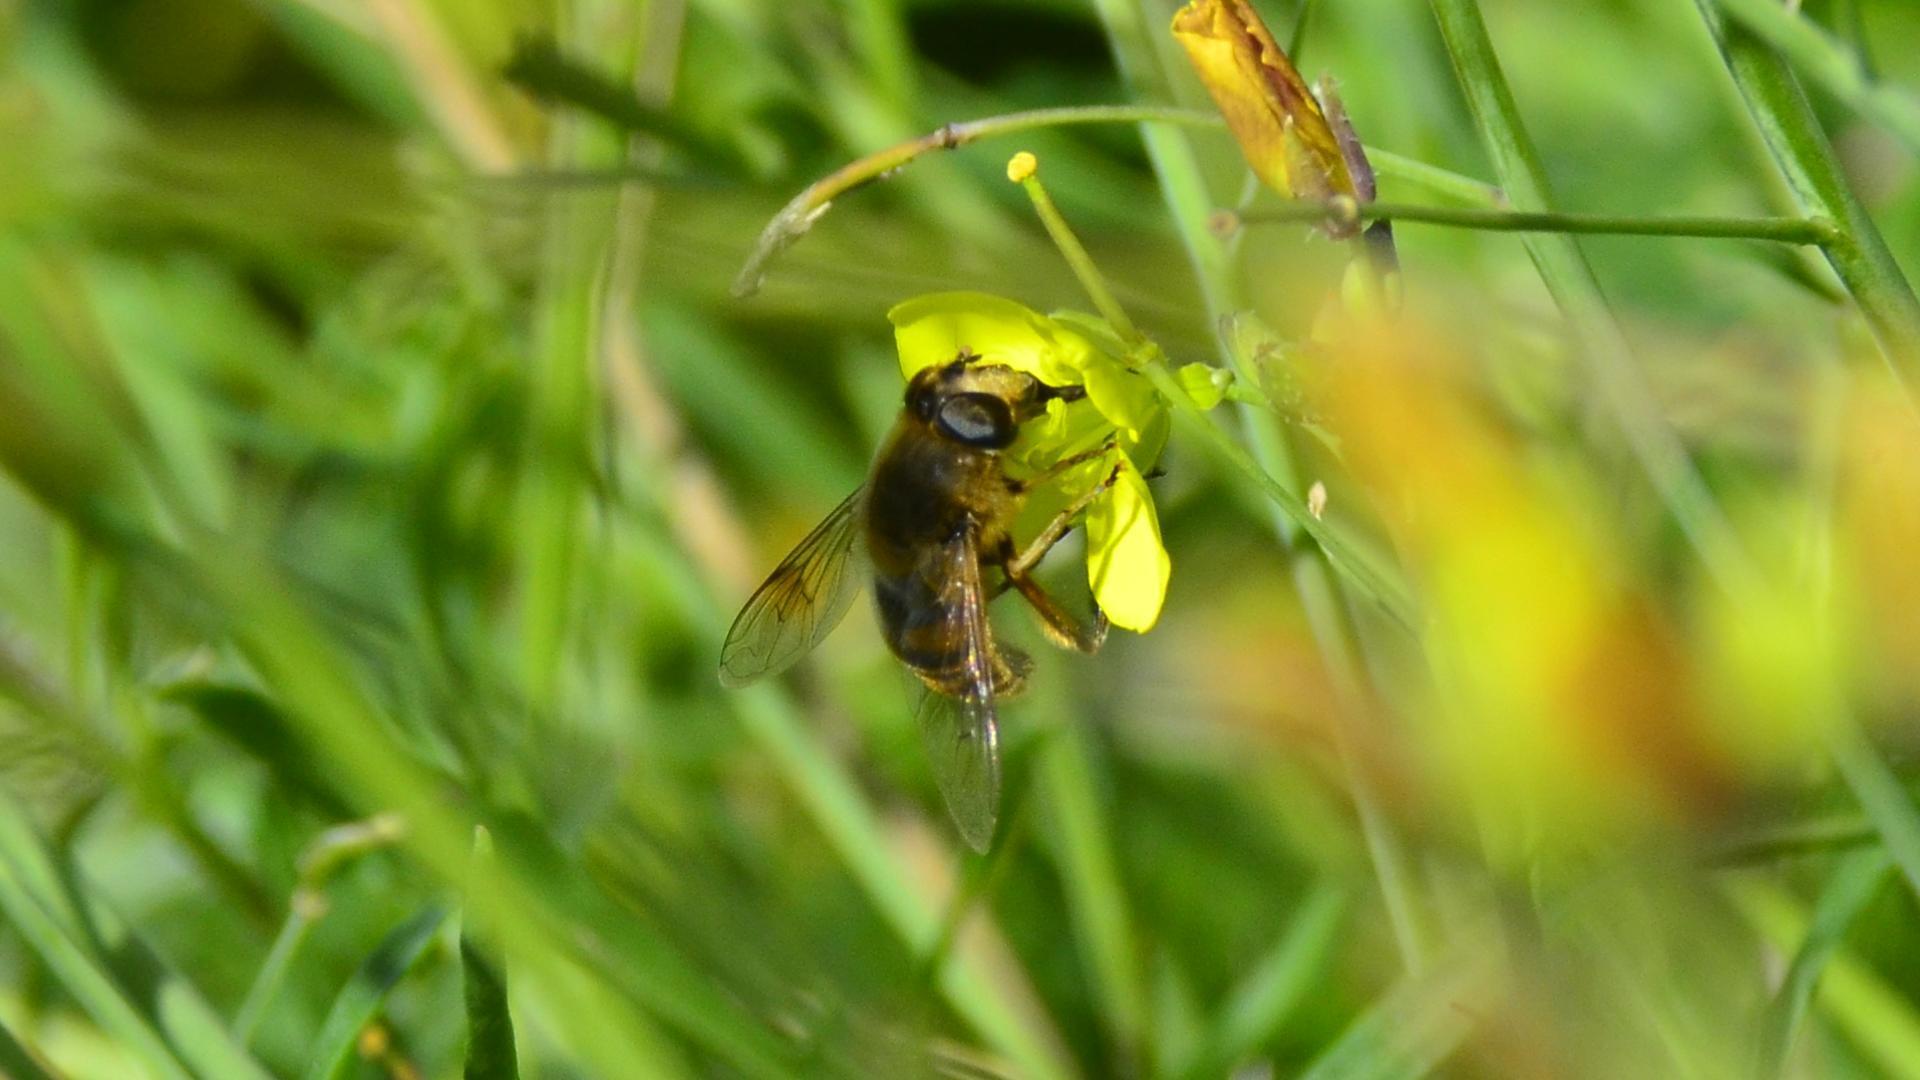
x=1021, y=166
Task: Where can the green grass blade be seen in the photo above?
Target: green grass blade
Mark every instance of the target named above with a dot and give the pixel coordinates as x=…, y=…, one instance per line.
x=16, y=1063
x=1275, y=987
x=261, y=729
x=1415, y=1026
x=490, y=1052
x=1083, y=849
x=1571, y=281
x=851, y=828
x=1852, y=885
x=83, y=978
x=360, y=1000
x=1860, y=257
x=1888, y=805
x=1839, y=70
x=1877, y=1017
x=149, y=1008
x=127, y=986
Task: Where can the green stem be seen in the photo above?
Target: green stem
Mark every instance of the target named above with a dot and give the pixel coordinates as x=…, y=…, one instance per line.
x=1153, y=362
x=328, y=852
x=1858, y=254
x=1362, y=571
x=1082, y=845
x=1184, y=187
x=1387, y=164
x=1571, y=281
x=795, y=218
x=273, y=972
x=1839, y=70
x=1786, y=230
x=1860, y=258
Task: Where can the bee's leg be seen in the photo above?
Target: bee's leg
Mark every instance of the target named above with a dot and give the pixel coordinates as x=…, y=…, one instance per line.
x=1060, y=627
x=1017, y=566
x=1060, y=468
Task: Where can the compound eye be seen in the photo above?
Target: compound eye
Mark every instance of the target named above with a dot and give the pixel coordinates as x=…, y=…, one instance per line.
x=980, y=420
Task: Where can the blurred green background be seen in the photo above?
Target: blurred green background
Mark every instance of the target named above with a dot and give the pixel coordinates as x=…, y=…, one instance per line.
x=374, y=468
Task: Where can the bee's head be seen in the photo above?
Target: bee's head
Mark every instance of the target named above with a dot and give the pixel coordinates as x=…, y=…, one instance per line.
x=980, y=405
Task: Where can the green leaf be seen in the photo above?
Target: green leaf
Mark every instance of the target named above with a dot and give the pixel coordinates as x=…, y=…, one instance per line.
x=360, y=1000
x=16, y=1063
x=490, y=1046
x=259, y=727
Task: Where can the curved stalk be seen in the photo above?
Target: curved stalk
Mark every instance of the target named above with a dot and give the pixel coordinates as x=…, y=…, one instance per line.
x=1271, y=464
x=795, y=218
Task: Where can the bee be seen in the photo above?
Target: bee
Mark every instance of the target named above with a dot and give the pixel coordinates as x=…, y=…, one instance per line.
x=935, y=514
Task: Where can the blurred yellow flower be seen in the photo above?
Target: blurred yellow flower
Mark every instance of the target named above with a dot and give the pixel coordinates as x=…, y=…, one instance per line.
x=1565, y=706
x=1127, y=567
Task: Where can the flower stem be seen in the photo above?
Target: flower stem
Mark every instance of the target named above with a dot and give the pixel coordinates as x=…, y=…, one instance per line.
x=1786, y=230
x=1440, y=181
x=1184, y=188
x=1366, y=573
x=1571, y=281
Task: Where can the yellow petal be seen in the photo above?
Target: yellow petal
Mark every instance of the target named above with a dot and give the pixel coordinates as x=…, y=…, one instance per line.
x=1123, y=396
x=935, y=328
x=1126, y=564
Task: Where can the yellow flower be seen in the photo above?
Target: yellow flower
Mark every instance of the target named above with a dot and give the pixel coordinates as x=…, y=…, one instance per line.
x=1127, y=567
x=1297, y=141
x=1273, y=116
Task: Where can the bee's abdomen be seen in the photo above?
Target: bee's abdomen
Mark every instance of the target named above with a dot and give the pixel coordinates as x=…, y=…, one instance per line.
x=929, y=634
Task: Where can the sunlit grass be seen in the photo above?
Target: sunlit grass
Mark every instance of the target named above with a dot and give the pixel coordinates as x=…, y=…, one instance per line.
x=377, y=491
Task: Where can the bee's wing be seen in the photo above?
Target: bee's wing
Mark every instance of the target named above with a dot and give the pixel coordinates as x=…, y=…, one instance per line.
x=961, y=730
x=801, y=602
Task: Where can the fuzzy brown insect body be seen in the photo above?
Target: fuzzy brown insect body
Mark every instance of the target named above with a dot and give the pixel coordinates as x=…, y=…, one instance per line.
x=936, y=512
x=939, y=494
